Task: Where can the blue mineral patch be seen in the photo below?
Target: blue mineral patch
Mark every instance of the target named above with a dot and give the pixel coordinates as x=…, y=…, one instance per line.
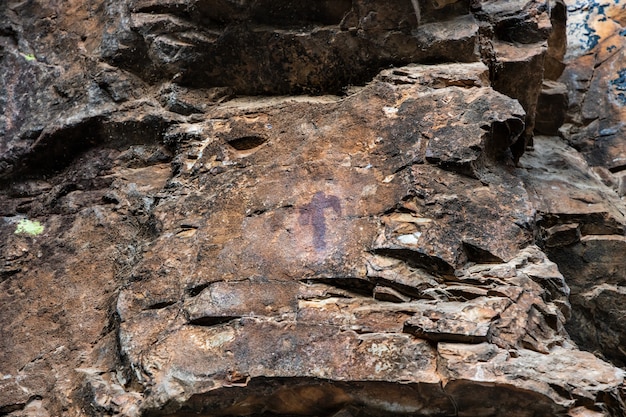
x=622, y=32
x=586, y=33
x=611, y=48
x=620, y=81
x=578, y=5
x=609, y=131
x=593, y=38
x=620, y=85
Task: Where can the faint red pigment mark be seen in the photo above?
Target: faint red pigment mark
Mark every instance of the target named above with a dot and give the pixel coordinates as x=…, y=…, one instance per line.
x=313, y=214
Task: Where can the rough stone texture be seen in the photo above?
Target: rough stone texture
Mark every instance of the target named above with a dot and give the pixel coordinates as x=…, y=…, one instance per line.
x=517, y=51
x=596, y=79
x=552, y=107
x=557, y=41
x=582, y=225
x=212, y=241
x=588, y=247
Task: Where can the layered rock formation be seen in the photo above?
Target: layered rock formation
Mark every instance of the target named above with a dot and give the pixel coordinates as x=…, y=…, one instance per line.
x=234, y=208
x=593, y=262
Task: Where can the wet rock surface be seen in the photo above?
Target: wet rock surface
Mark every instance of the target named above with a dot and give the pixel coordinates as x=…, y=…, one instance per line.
x=186, y=230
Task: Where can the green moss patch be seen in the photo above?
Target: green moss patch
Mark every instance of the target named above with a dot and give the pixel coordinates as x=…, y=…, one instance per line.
x=29, y=227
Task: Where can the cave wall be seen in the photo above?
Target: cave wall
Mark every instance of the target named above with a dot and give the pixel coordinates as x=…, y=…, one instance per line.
x=329, y=208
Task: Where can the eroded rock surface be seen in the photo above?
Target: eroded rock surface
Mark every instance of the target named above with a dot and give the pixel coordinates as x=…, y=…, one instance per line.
x=591, y=258
x=185, y=232
x=596, y=82
x=582, y=225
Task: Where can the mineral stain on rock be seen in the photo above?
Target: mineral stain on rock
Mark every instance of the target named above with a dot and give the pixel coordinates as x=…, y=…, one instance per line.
x=313, y=214
x=619, y=84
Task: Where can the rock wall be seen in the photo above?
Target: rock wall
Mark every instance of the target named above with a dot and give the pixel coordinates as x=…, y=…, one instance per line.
x=595, y=126
x=329, y=208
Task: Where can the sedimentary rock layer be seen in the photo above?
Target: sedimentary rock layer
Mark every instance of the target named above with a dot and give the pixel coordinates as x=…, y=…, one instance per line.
x=329, y=208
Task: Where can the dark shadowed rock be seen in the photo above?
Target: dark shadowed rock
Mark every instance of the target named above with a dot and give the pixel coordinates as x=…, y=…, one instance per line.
x=583, y=223
x=551, y=108
x=596, y=81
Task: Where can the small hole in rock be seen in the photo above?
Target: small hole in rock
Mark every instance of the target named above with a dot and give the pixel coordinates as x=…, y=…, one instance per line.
x=194, y=291
x=161, y=305
x=246, y=143
x=212, y=321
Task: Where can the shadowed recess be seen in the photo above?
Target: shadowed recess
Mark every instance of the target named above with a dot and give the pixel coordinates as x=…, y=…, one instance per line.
x=246, y=143
x=315, y=397
x=212, y=320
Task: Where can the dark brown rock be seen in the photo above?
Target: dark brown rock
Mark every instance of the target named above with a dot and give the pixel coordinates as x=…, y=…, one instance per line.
x=595, y=77
x=516, y=54
x=170, y=246
x=551, y=108
x=557, y=41
x=256, y=47
x=583, y=230
x=515, y=63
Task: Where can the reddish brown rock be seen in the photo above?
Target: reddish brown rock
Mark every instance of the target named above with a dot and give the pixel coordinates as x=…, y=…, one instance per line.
x=583, y=223
x=595, y=77
x=172, y=247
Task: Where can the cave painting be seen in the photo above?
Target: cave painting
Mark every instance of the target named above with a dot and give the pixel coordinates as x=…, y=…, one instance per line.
x=313, y=214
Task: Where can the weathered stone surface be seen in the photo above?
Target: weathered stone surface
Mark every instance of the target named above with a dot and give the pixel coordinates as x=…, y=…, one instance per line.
x=255, y=47
x=514, y=61
x=556, y=381
x=595, y=77
x=566, y=191
x=551, y=108
x=171, y=246
x=585, y=238
x=492, y=305
x=517, y=54
x=595, y=268
x=557, y=42
x=583, y=232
